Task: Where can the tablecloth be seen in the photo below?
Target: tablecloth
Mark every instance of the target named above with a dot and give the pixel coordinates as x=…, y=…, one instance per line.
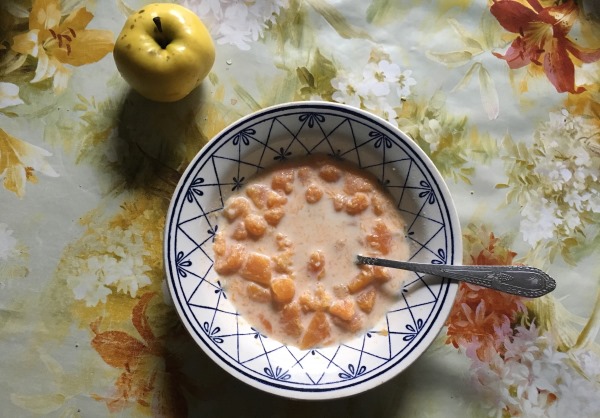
x=503, y=95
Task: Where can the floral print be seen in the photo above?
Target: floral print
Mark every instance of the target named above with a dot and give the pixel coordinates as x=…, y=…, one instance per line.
x=238, y=23
x=543, y=39
x=564, y=167
x=482, y=317
x=9, y=95
x=380, y=88
x=518, y=368
x=501, y=95
x=533, y=378
x=140, y=363
x=55, y=41
x=8, y=243
x=19, y=162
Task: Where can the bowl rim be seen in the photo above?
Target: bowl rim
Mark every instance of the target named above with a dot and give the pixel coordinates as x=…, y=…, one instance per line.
x=428, y=336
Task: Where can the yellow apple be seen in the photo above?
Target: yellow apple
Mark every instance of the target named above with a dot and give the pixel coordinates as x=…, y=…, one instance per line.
x=164, y=51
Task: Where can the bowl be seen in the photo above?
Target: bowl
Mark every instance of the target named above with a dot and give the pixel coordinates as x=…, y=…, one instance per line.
x=261, y=140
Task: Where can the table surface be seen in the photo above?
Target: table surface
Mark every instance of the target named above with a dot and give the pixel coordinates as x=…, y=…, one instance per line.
x=503, y=96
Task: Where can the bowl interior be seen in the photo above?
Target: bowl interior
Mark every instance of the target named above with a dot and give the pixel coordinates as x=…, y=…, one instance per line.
x=267, y=138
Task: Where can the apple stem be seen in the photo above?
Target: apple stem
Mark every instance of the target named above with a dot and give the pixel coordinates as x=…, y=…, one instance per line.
x=156, y=21
x=163, y=42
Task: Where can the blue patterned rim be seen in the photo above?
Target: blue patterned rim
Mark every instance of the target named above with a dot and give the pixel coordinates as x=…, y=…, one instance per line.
x=259, y=141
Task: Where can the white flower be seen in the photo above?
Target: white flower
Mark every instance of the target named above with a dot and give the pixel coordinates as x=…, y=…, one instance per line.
x=120, y=266
x=581, y=157
x=379, y=87
x=89, y=285
x=376, y=81
x=571, y=219
x=431, y=131
x=589, y=363
x=237, y=22
x=405, y=82
x=8, y=244
x=9, y=95
x=534, y=379
x=345, y=86
x=130, y=281
x=387, y=111
x=565, y=188
x=555, y=171
x=207, y=7
x=540, y=219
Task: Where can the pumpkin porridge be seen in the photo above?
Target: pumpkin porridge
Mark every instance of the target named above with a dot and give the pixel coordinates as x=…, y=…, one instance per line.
x=286, y=246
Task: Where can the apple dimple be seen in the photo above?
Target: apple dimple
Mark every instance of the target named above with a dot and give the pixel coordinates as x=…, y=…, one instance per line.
x=161, y=40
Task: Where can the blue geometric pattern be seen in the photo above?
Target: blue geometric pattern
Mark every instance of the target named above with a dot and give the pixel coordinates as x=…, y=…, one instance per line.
x=262, y=140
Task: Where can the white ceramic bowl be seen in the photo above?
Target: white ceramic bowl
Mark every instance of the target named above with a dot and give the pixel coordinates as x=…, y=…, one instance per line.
x=259, y=141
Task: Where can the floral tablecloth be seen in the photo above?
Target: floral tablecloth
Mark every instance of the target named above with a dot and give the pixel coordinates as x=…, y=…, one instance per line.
x=503, y=95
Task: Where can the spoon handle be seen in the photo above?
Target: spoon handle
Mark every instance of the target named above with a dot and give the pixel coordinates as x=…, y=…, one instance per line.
x=524, y=281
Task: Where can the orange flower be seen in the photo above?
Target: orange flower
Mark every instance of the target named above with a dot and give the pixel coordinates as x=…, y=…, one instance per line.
x=144, y=379
x=481, y=317
x=543, y=39
x=55, y=41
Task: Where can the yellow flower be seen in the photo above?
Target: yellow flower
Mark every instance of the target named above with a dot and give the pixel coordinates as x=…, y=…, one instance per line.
x=54, y=42
x=18, y=162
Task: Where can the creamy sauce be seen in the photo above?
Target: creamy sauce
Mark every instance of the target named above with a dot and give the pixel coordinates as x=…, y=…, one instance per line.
x=286, y=247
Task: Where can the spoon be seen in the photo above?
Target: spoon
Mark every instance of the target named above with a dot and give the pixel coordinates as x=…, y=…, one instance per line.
x=524, y=281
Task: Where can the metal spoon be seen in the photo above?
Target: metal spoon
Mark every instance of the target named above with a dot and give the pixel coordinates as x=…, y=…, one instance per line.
x=524, y=281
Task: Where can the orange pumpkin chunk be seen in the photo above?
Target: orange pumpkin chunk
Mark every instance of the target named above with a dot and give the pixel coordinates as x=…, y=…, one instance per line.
x=290, y=319
x=304, y=174
x=283, y=289
x=220, y=245
x=381, y=274
x=354, y=184
x=353, y=325
x=284, y=181
x=380, y=239
x=330, y=173
x=255, y=225
x=235, y=208
x=313, y=193
x=340, y=291
x=258, y=194
x=258, y=293
x=275, y=199
x=274, y=215
x=283, y=241
x=320, y=300
x=240, y=233
x=316, y=262
x=317, y=332
x=339, y=202
x=343, y=309
x=366, y=300
x=257, y=268
x=362, y=280
x=282, y=263
x=357, y=204
x=377, y=205
x=230, y=258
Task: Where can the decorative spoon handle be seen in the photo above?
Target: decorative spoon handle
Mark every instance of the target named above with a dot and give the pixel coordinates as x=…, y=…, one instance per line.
x=524, y=281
